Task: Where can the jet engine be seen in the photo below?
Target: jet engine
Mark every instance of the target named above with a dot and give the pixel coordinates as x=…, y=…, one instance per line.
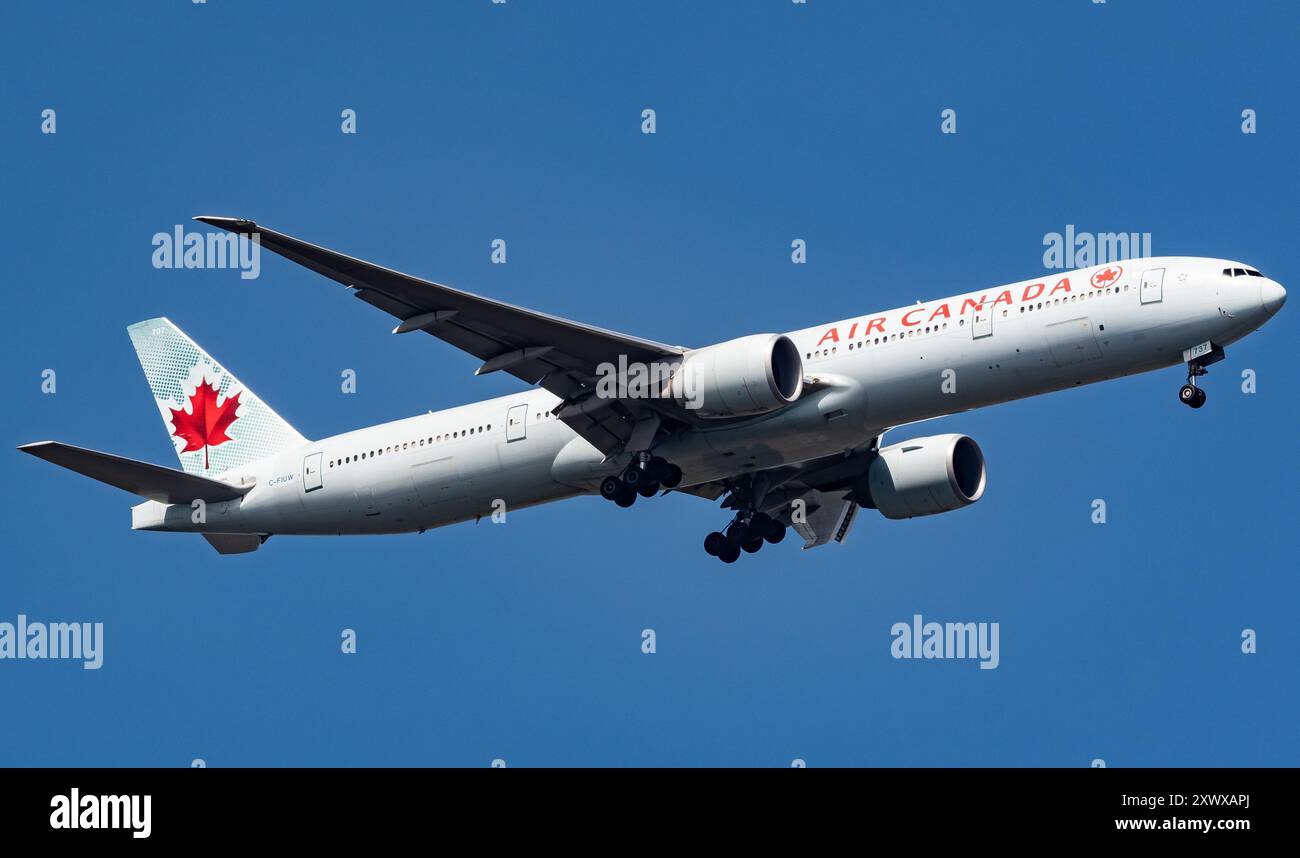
x=923, y=476
x=739, y=378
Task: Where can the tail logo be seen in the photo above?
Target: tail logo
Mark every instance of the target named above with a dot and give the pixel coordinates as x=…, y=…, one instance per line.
x=205, y=424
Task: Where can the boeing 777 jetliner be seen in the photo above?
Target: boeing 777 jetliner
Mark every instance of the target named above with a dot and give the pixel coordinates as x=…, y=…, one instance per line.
x=785, y=428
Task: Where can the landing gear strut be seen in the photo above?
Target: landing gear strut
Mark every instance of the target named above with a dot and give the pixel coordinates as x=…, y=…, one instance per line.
x=1189, y=394
x=1198, y=358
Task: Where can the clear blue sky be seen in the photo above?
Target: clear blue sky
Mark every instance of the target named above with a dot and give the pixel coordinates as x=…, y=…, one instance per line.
x=775, y=121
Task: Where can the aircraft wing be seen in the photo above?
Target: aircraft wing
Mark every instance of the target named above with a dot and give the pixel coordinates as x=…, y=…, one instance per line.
x=560, y=355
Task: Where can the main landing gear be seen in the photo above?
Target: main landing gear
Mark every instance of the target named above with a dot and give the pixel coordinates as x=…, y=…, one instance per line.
x=644, y=477
x=747, y=533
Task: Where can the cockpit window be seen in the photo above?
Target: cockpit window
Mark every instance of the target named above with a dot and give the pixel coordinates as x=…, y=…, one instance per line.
x=1241, y=272
x=1253, y=273
x=1238, y=272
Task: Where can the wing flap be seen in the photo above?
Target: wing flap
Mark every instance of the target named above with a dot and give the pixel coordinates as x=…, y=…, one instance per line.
x=830, y=517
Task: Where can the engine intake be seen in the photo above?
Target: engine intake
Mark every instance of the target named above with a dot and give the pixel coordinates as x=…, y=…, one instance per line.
x=752, y=375
x=924, y=476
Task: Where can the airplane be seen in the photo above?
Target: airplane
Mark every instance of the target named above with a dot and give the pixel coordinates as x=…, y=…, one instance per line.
x=785, y=431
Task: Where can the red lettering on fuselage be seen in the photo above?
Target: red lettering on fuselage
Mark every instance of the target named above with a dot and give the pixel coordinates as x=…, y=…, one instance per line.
x=912, y=317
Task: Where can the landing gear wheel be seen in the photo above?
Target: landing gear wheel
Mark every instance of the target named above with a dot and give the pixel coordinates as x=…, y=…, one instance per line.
x=610, y=488
x=626, y=496
x=1191, y=395
x=656, y=469
x=729, y=554
x=737, y=533
x=775, y=533
x=752, y=546
x=672, y=477
x=633, y=476
x=647, y=490
x=714, y=544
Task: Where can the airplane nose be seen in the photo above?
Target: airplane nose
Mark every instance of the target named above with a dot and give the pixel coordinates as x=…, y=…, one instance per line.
x=1272, y=296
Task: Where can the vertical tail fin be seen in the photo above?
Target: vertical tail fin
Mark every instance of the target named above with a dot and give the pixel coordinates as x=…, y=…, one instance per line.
x=215, y=422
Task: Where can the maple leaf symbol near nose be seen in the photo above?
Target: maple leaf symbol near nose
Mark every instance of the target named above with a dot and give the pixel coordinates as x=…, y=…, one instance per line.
x=205, y=424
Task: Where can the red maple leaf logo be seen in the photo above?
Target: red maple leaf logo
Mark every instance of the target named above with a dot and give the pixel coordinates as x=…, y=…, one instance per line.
x=1106, y=276
x=205, y=424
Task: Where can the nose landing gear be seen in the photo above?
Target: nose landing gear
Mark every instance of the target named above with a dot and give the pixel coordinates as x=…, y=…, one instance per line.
x=1198, y=358
x=1189, y=394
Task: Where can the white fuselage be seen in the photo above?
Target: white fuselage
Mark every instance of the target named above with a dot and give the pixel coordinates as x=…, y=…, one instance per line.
x=872, y=373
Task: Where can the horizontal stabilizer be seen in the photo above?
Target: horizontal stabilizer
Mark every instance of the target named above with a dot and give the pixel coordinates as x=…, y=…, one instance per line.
x=154, y=482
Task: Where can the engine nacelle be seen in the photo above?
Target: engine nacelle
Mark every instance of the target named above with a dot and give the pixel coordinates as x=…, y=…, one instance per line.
x=924, y=476
x=749, y=376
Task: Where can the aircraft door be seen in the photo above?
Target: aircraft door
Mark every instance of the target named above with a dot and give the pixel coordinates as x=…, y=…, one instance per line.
x=982, y=323
x=311, y=475
x=1152, y=288
x=517, y=423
